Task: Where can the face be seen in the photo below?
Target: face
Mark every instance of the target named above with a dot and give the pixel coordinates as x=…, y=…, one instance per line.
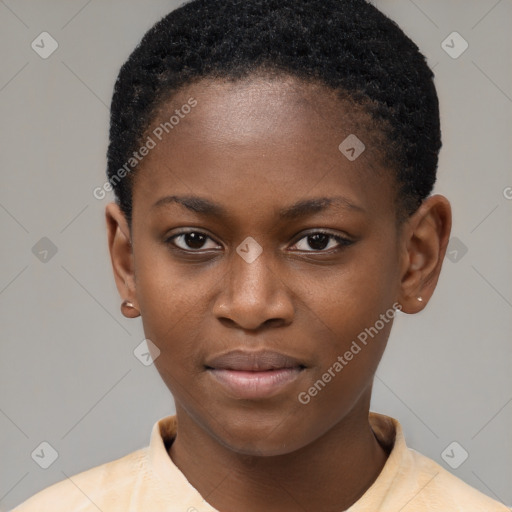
x=274, y=259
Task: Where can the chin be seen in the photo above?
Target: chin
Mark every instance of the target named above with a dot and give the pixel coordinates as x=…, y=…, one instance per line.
x=259, y=433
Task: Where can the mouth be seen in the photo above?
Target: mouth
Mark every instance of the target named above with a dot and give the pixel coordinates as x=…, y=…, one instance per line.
x=254, y=375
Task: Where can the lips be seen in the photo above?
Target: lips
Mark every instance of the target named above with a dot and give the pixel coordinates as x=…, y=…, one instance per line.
x=240, y=360
x=254, y=375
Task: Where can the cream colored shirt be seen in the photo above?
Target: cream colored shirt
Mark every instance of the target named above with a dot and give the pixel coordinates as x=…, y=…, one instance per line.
x=147, y=480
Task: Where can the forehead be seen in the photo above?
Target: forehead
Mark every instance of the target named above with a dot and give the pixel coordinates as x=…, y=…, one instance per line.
x=248, y=110
x=278, y=132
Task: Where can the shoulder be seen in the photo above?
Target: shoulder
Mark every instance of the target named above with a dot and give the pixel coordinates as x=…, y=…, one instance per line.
x=410, y=481
x=441, y=490
x=86, y=491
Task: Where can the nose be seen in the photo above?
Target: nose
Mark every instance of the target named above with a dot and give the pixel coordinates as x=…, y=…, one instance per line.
x=254, y=295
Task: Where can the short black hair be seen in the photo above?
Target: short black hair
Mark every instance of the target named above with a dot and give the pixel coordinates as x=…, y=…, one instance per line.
x=346, y=45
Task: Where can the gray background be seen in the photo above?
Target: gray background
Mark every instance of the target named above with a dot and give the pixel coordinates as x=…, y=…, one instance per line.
x=68, y=374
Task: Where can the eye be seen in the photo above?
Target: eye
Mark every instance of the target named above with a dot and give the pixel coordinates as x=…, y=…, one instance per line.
x=191, y=241
x=320, y=240
x=195, y=241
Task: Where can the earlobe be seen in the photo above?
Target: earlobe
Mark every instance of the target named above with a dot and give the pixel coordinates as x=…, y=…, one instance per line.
x=425, y=238
x=121, y=255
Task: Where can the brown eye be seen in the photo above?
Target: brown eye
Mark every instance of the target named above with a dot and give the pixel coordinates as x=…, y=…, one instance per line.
x=191, y=241
x=320, y=241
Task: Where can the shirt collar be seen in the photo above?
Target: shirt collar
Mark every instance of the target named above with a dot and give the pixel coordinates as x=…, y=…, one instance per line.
x=173, y=482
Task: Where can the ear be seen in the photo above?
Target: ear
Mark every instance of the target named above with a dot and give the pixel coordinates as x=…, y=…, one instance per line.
x=425, y=238
x=121, y=255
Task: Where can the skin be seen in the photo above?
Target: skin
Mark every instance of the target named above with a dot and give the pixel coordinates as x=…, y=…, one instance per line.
x=255, y=147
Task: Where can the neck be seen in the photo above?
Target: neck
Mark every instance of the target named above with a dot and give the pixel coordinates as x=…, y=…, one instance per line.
x=331, y=473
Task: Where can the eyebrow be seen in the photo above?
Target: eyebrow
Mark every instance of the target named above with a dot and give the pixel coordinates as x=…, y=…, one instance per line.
x=299, y=209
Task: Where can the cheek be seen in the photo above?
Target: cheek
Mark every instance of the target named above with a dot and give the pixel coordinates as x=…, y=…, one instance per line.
x=354, y=296
x=173, y=307
x=354, y=314
x=167, y=291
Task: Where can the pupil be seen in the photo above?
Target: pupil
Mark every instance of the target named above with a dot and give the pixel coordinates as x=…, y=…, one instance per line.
x=194, y=240
x=314, y=243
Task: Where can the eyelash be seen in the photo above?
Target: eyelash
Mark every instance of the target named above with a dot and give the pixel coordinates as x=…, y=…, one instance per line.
x=342, y=241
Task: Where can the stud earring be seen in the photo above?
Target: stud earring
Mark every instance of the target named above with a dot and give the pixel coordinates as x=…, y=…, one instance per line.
x=420, y=299
x=129, y=310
